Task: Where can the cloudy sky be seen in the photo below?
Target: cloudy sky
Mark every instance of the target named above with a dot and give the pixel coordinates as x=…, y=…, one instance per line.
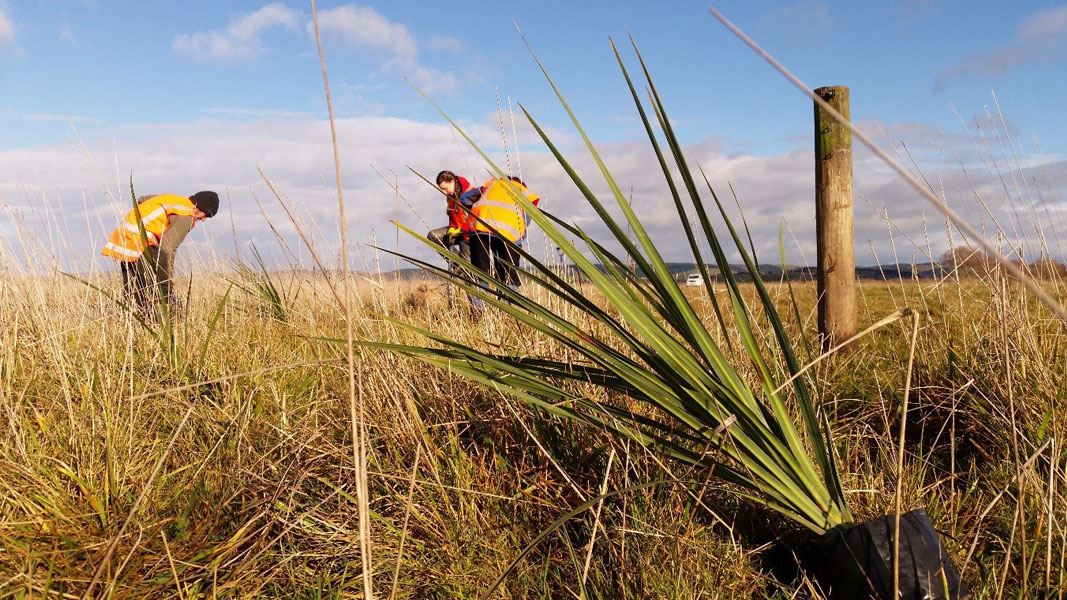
x=223, y=95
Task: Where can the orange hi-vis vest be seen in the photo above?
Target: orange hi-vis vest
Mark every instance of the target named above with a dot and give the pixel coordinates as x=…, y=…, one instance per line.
x=125, y=242
x=497, y=208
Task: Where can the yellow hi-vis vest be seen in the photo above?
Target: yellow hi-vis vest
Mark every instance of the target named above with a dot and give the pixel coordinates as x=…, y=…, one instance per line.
x=498, y=208
x=125, y=242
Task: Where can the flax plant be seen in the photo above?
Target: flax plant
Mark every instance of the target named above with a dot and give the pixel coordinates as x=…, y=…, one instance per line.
x=258, y=283
x=646, y=342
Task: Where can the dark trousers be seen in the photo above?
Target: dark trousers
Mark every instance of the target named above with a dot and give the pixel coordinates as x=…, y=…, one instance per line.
x=461, y=246
x=139, y=283
x=442, y=237
x=145, y=286
x=492, y=255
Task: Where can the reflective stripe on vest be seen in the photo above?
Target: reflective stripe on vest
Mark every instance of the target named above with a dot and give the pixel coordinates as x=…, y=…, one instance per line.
x=497, y=209
x=125, y=241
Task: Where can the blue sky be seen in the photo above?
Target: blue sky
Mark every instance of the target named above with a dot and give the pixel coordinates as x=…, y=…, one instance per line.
x=174, y=92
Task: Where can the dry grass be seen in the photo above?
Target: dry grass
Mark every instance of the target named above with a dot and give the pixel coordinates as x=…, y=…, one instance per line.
x=256, y=496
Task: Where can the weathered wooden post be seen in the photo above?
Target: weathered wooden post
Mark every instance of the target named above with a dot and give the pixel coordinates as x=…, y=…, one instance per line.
x=836, y=278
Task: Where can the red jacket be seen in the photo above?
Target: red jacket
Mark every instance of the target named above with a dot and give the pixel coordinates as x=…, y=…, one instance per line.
x=458, y=217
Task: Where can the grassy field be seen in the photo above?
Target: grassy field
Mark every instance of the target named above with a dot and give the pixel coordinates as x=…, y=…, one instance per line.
x=215, y=460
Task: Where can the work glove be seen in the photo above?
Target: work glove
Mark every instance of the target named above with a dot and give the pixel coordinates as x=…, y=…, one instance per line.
x=454, y=231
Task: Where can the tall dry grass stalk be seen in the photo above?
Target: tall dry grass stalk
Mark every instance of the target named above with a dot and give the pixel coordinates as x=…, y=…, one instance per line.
x=357, y=406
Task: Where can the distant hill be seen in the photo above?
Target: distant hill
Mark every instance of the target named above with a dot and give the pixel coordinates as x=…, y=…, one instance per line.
x=769, y=272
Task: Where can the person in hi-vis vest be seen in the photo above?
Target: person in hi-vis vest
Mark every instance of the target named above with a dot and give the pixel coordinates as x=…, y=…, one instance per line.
x=495, y=209
x=146, y=251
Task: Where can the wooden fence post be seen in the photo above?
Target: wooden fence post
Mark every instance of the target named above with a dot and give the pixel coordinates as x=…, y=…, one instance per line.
x=836, y=278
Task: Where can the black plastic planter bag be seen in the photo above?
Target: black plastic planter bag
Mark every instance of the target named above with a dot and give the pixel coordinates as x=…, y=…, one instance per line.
x=857, y=561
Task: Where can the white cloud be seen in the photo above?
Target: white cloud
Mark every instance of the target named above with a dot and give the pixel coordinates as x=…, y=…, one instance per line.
x=1042, y=37
x=364, y=29
x=432, y=81
x=444, y=43
x=224, y=155
x=67, y=35
x=394, y=46
x=391, y=45
x=240, y=40
x=253, y=113
x=44, y=117
x=7, y=28
x=90, y=189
